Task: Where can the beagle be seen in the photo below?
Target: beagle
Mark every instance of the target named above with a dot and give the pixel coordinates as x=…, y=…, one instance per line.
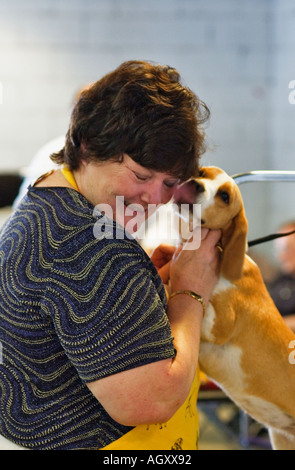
x=245, y=343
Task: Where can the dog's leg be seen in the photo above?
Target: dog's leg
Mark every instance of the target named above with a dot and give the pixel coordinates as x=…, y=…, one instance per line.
x=218, y=327
x=281, y=441
x=208, y=324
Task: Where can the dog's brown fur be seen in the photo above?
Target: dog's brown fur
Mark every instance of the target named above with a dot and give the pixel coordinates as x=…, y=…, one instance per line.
x=245, y=345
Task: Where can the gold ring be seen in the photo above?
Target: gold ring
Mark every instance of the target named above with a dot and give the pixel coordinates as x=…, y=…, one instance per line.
x=219, y=247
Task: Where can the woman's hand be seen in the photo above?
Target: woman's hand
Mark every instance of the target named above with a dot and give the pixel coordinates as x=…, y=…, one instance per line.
x=197, y=270
x=161, y=257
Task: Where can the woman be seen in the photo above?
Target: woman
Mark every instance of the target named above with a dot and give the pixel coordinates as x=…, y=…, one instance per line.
x=93, y=356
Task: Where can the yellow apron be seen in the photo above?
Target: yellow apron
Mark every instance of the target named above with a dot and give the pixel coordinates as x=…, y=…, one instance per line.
x=181, y=432
x=69, y=176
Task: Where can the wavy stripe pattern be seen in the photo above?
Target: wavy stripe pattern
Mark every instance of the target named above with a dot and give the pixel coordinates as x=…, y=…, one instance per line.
x=73, y=309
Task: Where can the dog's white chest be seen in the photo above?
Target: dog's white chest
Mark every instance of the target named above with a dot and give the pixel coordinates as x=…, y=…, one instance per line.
x=222, y=364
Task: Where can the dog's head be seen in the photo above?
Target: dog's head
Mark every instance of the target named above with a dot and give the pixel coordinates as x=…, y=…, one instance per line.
x=222, y=208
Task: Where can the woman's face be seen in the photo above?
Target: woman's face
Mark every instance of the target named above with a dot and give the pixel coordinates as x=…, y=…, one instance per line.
x=129, y=189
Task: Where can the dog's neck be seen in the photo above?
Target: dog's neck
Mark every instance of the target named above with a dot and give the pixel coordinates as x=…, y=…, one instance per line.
x=226, y=231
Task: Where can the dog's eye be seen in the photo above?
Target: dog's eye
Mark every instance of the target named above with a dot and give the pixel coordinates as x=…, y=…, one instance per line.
x=224, y=196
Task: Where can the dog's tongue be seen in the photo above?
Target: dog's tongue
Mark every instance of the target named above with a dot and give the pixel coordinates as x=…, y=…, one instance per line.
x=186, y=193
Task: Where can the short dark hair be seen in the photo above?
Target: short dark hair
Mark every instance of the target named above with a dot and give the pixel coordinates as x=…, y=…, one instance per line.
x=143, y=110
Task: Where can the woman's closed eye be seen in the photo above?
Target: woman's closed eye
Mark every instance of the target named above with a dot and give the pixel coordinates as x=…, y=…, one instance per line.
x=144, y=178
x=141, y=177
x=171, y=184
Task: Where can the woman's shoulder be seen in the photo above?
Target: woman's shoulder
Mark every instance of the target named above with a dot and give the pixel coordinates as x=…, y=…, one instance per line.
x=68, y=219
x=59, y=203
x=70, y=211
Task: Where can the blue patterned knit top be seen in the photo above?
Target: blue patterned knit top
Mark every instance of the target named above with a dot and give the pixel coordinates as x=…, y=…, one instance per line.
x=74, y=308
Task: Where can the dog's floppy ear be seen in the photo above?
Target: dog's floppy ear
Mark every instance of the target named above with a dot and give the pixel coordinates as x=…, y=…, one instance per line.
x=234, y=242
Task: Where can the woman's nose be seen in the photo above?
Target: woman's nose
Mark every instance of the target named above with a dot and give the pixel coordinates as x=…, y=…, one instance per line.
x=153, y=194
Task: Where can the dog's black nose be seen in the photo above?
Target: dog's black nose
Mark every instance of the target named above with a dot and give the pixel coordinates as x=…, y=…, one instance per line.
x=200, y=188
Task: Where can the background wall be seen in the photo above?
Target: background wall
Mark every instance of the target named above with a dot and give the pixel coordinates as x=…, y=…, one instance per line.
x=237, y=56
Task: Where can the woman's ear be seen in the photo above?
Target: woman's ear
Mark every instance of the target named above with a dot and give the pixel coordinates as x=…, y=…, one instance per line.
x=234, y=242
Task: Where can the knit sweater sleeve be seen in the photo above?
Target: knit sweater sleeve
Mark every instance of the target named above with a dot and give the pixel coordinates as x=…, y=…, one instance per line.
x=108, y=307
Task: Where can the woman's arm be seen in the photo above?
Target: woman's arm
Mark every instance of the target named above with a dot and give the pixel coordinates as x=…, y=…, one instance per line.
x=152, y=393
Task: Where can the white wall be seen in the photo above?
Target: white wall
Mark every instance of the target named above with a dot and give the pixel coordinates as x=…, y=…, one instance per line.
x=238, y=56
x=282, y=130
